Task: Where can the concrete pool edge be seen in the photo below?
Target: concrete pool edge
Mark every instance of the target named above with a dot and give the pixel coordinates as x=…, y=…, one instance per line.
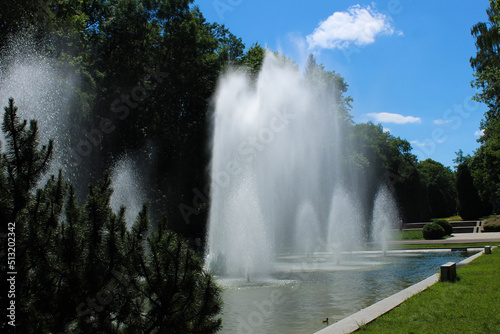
x=372, y=312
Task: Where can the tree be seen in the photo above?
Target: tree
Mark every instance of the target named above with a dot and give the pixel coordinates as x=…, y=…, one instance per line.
x=25, y=14
x=439, y=183
x=486, y=63
x=23, y=164
x=231, y=48
x=149, y=67
x=80, y=269
x=332, y=85
x=461, y=158
x=378, y=157
x=485, y=164
x=253, y=59
x=470, y=205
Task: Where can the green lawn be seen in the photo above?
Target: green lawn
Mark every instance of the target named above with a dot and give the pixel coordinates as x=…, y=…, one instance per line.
x=408, y=235
x=492, y=224
x=426, y=246
x=454, y=218
x=471, y=305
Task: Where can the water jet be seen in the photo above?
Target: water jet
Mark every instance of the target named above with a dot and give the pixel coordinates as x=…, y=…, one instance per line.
x=280, y=180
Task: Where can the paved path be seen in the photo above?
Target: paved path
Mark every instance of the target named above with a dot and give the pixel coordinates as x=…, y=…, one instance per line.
x=493, y=237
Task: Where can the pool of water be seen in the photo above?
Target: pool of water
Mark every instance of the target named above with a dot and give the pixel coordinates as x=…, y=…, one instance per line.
x=304, y=292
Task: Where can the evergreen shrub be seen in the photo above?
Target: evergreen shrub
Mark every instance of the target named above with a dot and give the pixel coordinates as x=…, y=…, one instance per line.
x=433, y=231
x=448, y=229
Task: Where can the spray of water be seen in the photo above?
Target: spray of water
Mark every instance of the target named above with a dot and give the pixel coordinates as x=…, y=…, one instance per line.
x=385, y=217
x=277, y=173
x=344, y=222
x=128, y=190
x=42, y=93
x=307, y=230
x=39, y=91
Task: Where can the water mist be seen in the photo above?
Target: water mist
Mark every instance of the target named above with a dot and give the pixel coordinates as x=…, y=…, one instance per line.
x=128, y=190
x=385, y=217
x=39, y=92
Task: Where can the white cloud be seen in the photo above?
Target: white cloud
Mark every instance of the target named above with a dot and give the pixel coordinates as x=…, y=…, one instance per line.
x=385, y=117
x=479, y=133
x=359, y=25
x=441, y=121
x=386, y=130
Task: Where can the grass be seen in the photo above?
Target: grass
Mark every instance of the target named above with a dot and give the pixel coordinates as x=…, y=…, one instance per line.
x=492, y=224
x=470, y=305
x=454, y=218
x=411, y=235
x=486, y=217
x=408, y=235
x=425, y=246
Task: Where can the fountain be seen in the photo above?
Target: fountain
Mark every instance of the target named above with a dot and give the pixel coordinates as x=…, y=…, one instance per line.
x=344, y=230
x=289, y=217
x=385, y=216
x=307, y=230
x=280, y=185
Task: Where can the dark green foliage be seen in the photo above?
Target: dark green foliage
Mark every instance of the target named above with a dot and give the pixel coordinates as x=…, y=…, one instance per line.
x=447, y=227
x=230, y=48
x=433, y=231
x=80, y=268
x=470, y=205
x=378, y=156
x=485, y=164
x=150, y=67
x=439, y=183
x=23, y=163
x=487, y=61
x=253, y=59
x=182, y=292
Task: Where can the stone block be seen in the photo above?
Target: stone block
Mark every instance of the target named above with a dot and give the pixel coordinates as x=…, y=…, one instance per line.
x=449, y=272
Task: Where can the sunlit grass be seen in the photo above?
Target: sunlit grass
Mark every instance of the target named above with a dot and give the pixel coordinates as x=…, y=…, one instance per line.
x=492, y=224
x=454, y=218
x=443, y=245
x=408, y=235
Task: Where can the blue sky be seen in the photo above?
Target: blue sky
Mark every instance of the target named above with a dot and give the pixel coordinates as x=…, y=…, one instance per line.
x=406, y=61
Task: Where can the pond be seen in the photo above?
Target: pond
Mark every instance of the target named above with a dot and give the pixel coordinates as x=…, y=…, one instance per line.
x=305, y=292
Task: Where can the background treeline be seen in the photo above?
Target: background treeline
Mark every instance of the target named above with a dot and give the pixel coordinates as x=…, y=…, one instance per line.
x=152, y=66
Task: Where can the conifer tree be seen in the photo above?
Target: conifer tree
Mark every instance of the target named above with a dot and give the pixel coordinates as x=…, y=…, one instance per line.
x=80, y=270
x=22, y=162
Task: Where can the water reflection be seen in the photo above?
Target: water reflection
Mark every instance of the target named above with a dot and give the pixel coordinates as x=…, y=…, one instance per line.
x=297, y=302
